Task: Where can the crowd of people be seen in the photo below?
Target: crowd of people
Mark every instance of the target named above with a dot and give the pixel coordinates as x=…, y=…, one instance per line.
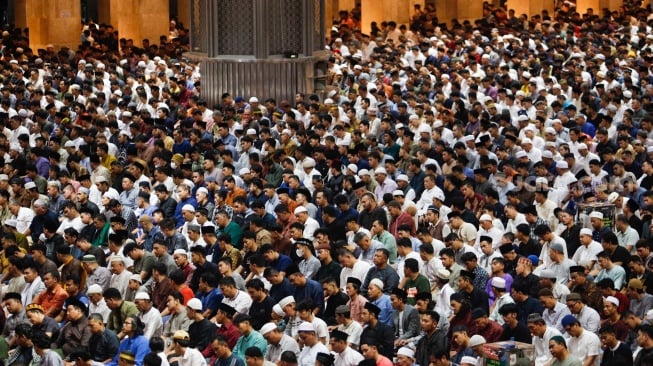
x=455, y=186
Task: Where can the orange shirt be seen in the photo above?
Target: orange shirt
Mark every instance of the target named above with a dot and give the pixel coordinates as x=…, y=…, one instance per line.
x=229, y=200
x=52, y=301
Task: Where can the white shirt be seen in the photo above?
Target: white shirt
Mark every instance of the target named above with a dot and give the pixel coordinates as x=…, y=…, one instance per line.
x=192, y=357
x=309, y=228
x=23, y=219
x=585, y=255
x=241, y=302
x=588, y=344
x=427, y=199
x=503, y=300
x=100, y=308
x=348, y=357
x=542, y=354
x=308, y=354
x=153, y=323
x=443, y=305
x=359, y=271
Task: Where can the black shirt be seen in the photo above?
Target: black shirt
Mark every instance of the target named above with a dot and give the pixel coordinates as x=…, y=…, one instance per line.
x=104, y=346
x=520, y=333
x=201, y=333
x=260, y=312
x=331, y=304
x=621, y=356
x=383, y=336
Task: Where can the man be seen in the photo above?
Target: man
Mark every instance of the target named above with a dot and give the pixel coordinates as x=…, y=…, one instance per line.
x=640, y=301
x=336, y=298
x=53, y=297
x=414, y=281
x=610, y=270
x=542, y=334
x=312, y=345
x=382, y=271
x=346, y=324
x=120, y=275
x=95, y=274
x=345, y=355
x=502, y=298
x=75, y=333
x=149, y=315
x=306, y=289
x=448, y=258
x=583, y=343
x=143, y=260
x=17, y=316
x=489, y=329
x=645, y=341
x=585, y=315
x=227, y=329
x=239, y=300
x=222, y=353
x=614, y=351
x=512, y=327
x=103, y=341
x=179, y=319
x=460, y=336
x=310, y=224
x=201, y=330
x=405, y=318
x=554, y=310
x=613, y=318
x=97, y=304
x=527, y=305
x=278, y=342
x=376, y=296
x=433, y=340
x=262, y=304
x=381, y=334
x=254, y=357
x=188, y=356
x=586, y=254
x=120, y=309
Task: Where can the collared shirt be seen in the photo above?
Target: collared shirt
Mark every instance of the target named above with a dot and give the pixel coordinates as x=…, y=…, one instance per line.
x=586, y=345
x=553, y=317
x=503, y=300
x=192, y=357
x=542, y=354
x=589, y=319
x=348, y=357
x=287, y=343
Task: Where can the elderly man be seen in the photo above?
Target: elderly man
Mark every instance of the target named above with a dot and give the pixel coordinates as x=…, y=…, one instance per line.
x=541, y=336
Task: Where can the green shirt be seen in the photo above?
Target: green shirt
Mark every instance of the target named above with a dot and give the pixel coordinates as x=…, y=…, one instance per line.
x=413, y=287
x=254, y=339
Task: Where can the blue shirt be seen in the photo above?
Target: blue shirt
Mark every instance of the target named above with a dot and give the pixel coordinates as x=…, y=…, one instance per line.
x=311, y=291
x=179, y=219
x=385, y=316
x=139, y=346
x=211, y=300
x=282, y=263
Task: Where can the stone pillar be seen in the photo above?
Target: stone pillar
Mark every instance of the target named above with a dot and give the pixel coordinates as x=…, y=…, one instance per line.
x=262, y=48
x=583, y=5
x=469, y=10
x=136, y=19
x=376, y=11
x=610, y=4
x=530, y=8
x=50, y=21
x=446, y=11
x=183, y=12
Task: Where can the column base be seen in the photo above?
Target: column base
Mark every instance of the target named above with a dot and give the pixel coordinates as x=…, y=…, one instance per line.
x=278, y=78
